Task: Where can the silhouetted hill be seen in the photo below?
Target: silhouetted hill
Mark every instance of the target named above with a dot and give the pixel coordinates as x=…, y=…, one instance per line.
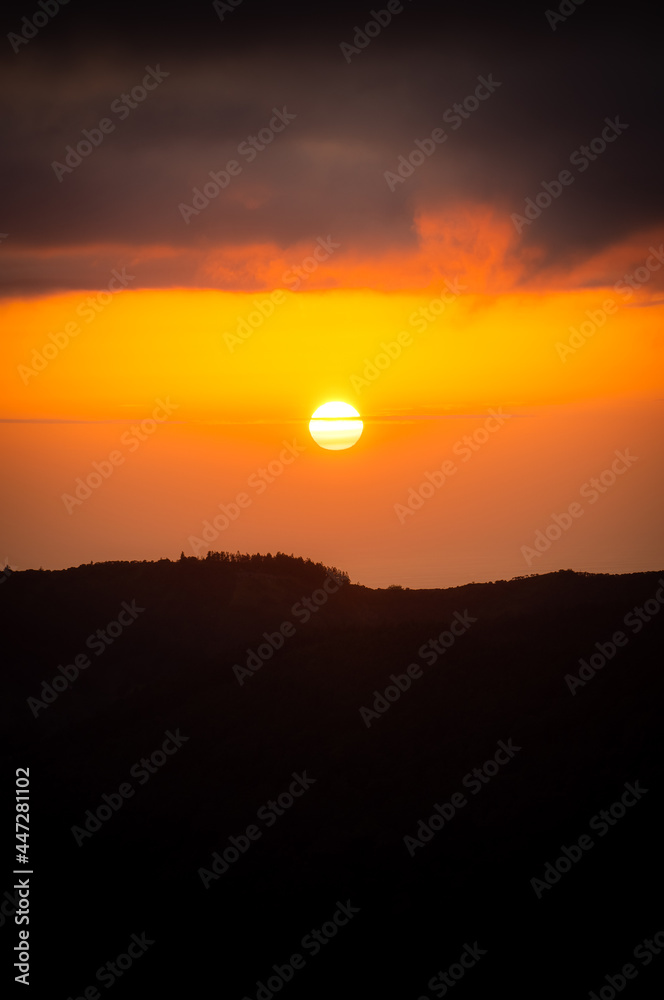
x=172, y=657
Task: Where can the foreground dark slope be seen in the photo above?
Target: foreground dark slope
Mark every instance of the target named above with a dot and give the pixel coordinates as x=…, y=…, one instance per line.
x=503, y=679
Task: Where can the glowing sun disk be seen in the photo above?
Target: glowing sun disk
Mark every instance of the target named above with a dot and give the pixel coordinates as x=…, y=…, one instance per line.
x=331, y=429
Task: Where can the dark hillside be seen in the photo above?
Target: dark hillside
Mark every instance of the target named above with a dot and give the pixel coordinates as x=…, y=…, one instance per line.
x=148, y=866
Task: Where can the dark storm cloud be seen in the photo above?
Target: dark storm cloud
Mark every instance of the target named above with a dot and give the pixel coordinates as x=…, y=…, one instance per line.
x=324, y=172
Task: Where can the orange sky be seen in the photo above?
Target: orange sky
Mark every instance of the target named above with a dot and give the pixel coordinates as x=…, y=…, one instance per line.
x=467, y=333
x=476, y=330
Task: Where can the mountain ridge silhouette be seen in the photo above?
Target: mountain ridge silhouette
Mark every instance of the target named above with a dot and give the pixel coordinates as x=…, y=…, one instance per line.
x=171, y=669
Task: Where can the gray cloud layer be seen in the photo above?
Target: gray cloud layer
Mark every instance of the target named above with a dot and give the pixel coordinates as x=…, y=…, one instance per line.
x=324, y=173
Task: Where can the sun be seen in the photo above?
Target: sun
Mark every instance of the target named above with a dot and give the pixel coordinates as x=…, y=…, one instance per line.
x=330, y=427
